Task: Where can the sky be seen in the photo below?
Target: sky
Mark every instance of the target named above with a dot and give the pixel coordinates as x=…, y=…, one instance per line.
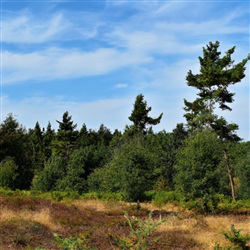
x=92, y=58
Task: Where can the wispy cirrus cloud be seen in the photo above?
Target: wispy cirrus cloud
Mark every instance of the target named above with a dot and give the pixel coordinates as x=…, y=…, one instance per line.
x=57, y=63
x=26, y=29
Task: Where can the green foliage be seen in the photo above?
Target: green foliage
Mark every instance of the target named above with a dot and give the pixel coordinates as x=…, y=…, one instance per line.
x=75, y=173
x=226, y=206
x=164, y=148
x=197, y=167
x=14, y=144
x=216, y=74
x=65, y=138
x=161, y=198
x=128, y=165
x=140, y=118
x=36, y=143
x=243, y=172
x=208, y=203
x=112, y=197
x=237, y=238
x=139, y=238
x=8, y=173
x=73, y=243
x=130, y=171
x=53, y=172
x=90, y=195
x=239, y=241
x=47, y=141
x=58, y=195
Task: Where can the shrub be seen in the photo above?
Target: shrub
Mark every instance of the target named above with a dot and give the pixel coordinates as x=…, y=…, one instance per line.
x=239, y=241
x=139, y=237
x=206, y=204
x=72, y=243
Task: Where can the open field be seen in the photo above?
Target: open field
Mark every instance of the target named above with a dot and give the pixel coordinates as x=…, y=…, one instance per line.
x=30, y=223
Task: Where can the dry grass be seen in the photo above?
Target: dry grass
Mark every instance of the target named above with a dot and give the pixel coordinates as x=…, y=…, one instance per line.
x=206, y=230
x=43, y=217
x=96, y=220
x=98, y=205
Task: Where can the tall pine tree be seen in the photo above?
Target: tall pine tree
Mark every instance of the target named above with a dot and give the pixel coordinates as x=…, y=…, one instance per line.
x=216, y=75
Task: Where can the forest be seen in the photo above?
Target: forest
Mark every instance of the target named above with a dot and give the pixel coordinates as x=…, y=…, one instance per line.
x=199, y=163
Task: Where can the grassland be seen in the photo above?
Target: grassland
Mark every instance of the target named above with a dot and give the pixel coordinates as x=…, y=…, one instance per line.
x=31, y=222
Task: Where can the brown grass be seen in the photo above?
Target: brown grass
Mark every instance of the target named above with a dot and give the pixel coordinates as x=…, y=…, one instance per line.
x=95, y=221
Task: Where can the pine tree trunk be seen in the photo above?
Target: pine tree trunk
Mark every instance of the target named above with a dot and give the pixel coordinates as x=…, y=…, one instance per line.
x=230, y=175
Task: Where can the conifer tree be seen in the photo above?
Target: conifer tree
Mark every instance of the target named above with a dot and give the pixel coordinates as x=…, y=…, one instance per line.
x=66, y=136
x=140, y=117
x=216, y=75
x=37, y=147
x=14, y=144
x=48, y=138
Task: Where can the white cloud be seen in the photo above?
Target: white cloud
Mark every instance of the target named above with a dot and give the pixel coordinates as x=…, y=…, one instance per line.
x=58, y=63
x=121, y=85
x=26, y=29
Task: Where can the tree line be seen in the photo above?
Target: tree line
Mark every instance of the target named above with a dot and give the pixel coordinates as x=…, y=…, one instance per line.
x=201, y=159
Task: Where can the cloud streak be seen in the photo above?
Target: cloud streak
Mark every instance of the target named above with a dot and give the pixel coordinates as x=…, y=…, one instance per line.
x=57, y=63
x=27, y=29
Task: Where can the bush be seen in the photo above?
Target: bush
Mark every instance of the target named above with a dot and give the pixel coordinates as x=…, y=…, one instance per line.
x=90, y=195
x=139, y=237
x=72, y=243
x=206, y=204
x=239, y=241
x=161, y=198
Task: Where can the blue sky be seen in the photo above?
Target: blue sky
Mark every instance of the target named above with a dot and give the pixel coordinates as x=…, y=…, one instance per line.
x=92, y=58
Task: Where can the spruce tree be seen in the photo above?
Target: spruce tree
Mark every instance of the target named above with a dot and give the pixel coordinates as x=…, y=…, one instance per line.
x=48, y=138
x=66, y=136
x=37, y=147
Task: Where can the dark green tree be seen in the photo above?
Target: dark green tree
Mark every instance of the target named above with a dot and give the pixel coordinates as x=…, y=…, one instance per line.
x=104, y=135
x=83, y=139
x=75, y=178
x=14, y=143
x=241, y=159
x=66, y=137
x=163, y=154
x=37, y=148
x=11, y=136
x=216, y=75
x=48, y=138
x=140, y=118
x=8, y=173
x=243, y=172
x=165, y=147
x=54, y=171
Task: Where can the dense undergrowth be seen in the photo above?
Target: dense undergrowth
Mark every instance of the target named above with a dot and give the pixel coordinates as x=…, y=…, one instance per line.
x=65, y=220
